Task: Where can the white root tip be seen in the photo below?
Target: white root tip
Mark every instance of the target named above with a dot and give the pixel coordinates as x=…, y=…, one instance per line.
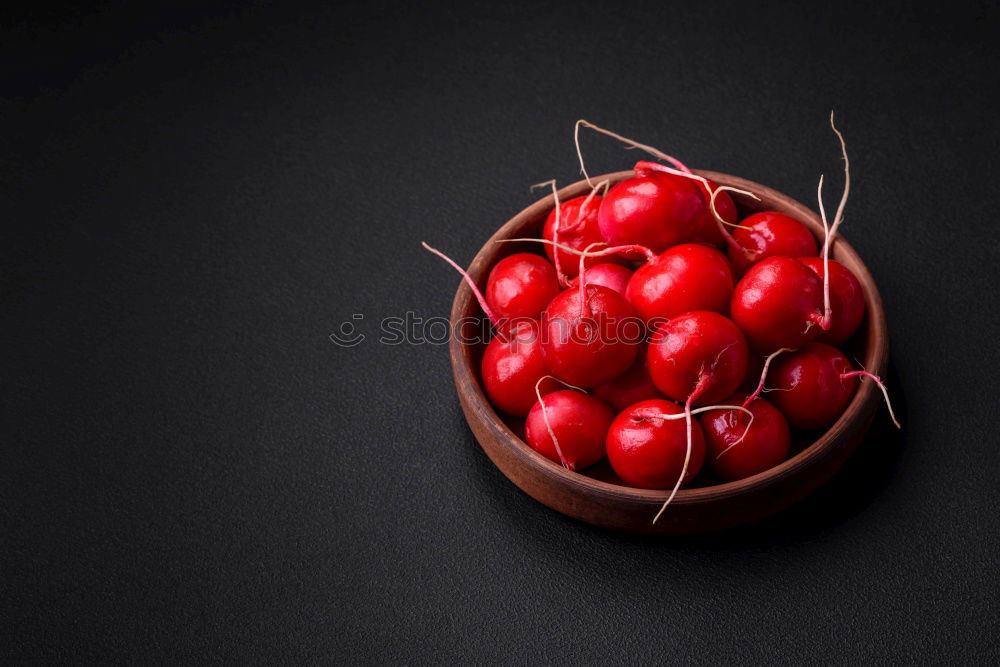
x=881, y=385
x=545, y=416
x=629, y=142
x=700, y=387
x=468, y=279
x=830, y=231
x=763, y=376
x=548, y=426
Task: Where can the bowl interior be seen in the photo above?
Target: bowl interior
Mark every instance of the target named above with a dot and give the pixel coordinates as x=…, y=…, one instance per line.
x=869, y=346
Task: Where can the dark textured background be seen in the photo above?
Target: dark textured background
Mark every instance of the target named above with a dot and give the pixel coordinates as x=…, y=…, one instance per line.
x=193, y=200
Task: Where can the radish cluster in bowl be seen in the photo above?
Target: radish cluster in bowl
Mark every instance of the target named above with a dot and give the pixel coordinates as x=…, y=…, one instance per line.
x=681, y=340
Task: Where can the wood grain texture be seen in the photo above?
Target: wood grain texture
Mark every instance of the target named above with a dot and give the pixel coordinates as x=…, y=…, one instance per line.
x=695, y=510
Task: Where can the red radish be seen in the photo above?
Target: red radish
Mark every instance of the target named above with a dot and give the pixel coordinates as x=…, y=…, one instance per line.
x=651, y=452
x=577, y=228
x=847, y=301
x=739, y=445
x=630, y=387
x=696, y=357
x=812, y=386
x=770, y=234
x=681, y=279
x=521, y=286
x=708, y=230
x=699, y=356
x=569, y=427
x=513, y=365
x=653, y=208
x=585, y=343
x=778, y=303
x=612, y=276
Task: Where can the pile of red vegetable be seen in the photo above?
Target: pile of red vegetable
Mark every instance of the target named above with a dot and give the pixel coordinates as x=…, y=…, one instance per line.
x=650, y=332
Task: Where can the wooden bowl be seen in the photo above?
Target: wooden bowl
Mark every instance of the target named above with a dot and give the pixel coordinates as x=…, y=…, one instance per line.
x=593, y=495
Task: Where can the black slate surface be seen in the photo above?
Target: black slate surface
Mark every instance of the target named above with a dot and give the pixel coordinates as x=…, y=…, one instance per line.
x=194, y=199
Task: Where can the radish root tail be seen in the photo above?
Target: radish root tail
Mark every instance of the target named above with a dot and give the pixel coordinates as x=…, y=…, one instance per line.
x=687, y=453
x=545, y=415
x=563, y=279
x=881, y=385
x=830, y=230
x=650, y=255
x=472, y=284
x=660, y=155
x=730, y=241
x=763, y=376
x=707, y=408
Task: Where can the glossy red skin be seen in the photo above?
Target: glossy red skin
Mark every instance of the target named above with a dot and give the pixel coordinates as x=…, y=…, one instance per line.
x=521, y=285
x=775, y=302
x=580, y=423
x=512, y=365
x=695, y=345
x=847, y=301
x=653, y=209
x=649, y=453
x=587, y=349
x=630, y=387
x=612, y=276
x=708, y=230
x=808, y=388
x=575, y=232
x=771, y=234
x=686, y=277
x=766, y=444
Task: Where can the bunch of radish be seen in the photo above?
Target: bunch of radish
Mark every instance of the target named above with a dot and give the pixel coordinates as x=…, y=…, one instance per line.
x=657, y=321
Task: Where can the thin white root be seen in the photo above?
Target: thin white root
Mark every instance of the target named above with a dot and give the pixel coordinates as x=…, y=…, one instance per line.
x=830, y=230
x=881, y=385
x=687, y=461
x=560, y=276
x=545, y=418
x=545, y=415
x=839, y=217
x=584, y=253
x=738, y=440
x=763, y=376
x=699, y=388
x=579, y=153
x=719, y=220
x=826, y=249
x=586, y=202
x=564, y=248
x=707, y=408
x=468, y=279
x=715, y=212
x=695, y=411
x=634, y=144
